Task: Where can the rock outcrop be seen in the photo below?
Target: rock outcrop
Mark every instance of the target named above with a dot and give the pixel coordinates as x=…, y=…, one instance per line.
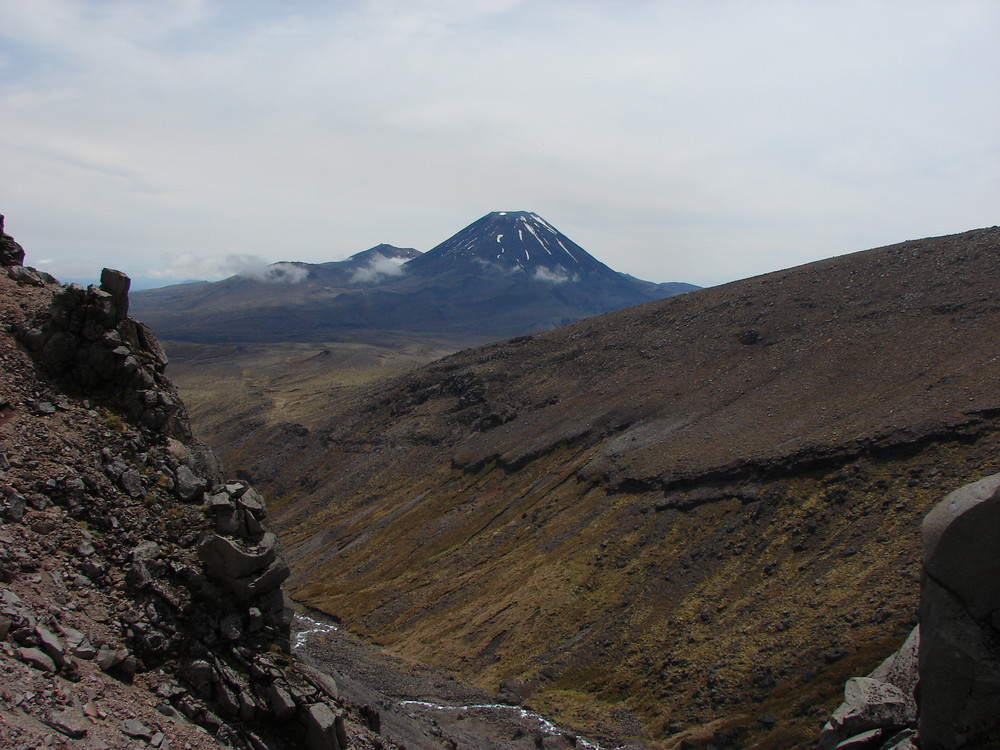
x=11, y=253
x=86, y=339
x=941, y=690
x=141, y=600
x=960, y=614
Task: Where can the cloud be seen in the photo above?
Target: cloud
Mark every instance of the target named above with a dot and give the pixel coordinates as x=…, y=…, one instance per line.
x=188, y=266
x=378, y=268
x=557, y=275
x=281, y=272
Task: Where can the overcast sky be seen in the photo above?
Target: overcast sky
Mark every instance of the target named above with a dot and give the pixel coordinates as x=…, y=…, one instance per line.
x=698, y=141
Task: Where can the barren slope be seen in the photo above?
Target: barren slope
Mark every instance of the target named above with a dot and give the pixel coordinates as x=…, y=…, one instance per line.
x=697, y=513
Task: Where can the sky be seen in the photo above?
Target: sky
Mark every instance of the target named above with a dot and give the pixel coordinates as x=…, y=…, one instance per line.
x=676, y=140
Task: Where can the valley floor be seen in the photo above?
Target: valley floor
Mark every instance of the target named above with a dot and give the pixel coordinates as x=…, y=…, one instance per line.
x=422, y=707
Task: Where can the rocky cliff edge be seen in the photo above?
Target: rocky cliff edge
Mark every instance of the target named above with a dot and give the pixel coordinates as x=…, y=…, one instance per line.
x=140, y=593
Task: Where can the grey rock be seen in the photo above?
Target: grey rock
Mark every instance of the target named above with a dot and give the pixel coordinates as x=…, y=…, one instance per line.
x=85, y=548
x=321, y=681
x=955, y=550
x=131, y=482
x=321, y=727
x=51, y=645
x=250, y=587
x=281, y=702
x=960, y=592
x=900, y=669
x=15, y=506
x=226, y=699
x=69, y=722
x=78, y=643
x=189, y=485
x=255, y=620
x=229, y=558
x=30, y=276
x=252, y=501
x=200, y=675
x=116, y=284
x=108, y=658
x=36, y=658
x=868, y=704
x=341, y=732
x=136, y=729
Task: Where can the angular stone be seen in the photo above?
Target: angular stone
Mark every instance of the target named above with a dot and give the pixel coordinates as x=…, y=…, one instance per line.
x=189, y=485
x=30, y=276
x=108, y=658
x=281, y=702
x=905, y=740
x=117, y=285
x=868, y=704
x=36, y=658
x=900, y=669
x=251, y=587
x=68, y=722
x=200, y=675
x=252, y=501
x=870, y=740
x=51, y=645
x=321, y=727
x=321, y=681
x=79, y=645
x=11, y=253
x=131, y=482
x=136, y=729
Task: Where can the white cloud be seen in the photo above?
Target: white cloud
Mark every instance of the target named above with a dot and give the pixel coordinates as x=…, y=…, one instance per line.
x=378, y=268
x=557, y=275
x=188, y=266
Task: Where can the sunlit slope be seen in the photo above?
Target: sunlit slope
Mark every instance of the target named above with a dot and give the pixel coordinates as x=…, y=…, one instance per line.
x=694, y=513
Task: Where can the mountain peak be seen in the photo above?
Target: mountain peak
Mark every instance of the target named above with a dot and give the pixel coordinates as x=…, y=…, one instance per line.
x=515, y=241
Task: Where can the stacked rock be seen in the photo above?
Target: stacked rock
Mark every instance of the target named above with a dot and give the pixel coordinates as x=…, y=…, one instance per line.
x=245, y=559
x=88, y=339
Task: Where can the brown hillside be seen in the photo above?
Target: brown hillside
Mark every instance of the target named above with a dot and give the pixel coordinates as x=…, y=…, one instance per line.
x=698, y=513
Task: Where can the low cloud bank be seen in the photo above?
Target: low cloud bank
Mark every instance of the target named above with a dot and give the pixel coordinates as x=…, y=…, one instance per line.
x=378, y=267
x=211, y=268
x=557, y=275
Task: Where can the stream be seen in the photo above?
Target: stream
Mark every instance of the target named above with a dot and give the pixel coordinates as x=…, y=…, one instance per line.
x=422, y=707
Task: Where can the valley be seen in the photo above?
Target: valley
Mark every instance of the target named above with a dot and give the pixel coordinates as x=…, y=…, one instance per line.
x=678, y=524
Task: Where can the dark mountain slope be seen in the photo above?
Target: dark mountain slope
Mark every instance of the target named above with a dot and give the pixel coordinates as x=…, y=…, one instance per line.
x=697, y=511
x=506, y=274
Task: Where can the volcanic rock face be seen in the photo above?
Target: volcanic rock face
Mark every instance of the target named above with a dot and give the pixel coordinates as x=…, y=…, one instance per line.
x=113, y=630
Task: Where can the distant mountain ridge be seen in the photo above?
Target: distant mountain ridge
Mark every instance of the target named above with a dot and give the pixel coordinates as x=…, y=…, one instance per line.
x=506, y=274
